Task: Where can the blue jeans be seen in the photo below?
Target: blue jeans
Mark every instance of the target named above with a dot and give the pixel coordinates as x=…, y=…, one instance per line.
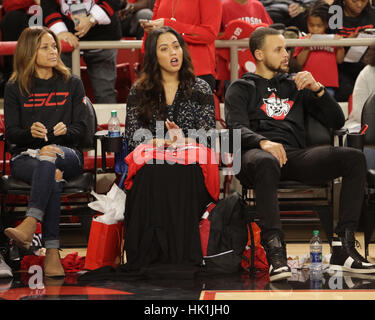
x=45, y=196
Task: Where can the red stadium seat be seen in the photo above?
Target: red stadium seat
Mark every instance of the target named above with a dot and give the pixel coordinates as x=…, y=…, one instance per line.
x=2, y=130
x=350, y=104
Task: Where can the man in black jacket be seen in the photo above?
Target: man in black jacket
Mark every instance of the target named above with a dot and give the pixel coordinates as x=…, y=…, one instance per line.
x=88, y=20
x=269, y=108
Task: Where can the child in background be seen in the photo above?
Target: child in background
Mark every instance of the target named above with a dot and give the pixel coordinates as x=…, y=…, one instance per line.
x=321, y=61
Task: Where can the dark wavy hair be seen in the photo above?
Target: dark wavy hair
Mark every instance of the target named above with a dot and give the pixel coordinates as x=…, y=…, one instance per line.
x=149, y=87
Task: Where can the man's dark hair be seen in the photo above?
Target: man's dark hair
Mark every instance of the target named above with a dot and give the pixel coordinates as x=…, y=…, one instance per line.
x=256, y=40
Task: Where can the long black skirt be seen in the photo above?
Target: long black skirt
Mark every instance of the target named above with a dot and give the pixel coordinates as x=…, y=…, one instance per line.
x=162, y=215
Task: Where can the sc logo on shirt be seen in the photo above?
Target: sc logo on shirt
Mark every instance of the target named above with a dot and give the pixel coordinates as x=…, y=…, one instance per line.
x=46, y=99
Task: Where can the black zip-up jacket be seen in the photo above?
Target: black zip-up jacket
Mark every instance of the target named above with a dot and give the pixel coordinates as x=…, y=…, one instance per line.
x=57, y=11
x=275, y=110
x=50, y=102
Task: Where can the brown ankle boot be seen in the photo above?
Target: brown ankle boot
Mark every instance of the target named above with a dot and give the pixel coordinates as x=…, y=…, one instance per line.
x=23, y=233
x=52, y=264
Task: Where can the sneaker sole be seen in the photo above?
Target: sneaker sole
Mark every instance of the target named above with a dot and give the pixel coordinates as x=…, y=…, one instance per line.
x=280, y=276
x=343, y=268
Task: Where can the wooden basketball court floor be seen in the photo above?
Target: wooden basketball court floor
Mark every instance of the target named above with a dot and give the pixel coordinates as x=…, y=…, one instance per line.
x=333, y=286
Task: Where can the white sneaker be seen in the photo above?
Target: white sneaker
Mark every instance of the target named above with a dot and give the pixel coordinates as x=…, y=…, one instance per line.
x=5, y=270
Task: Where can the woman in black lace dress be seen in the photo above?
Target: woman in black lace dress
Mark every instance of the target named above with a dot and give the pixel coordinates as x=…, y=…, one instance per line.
x=165, y=201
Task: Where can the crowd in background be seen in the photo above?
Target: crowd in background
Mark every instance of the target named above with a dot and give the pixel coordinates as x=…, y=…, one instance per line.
x=176, y=86
x=200, y=23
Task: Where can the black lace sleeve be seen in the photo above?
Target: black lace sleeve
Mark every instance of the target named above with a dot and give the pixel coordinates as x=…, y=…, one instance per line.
x=199, y=112
x=205, y=113
x=132, y=123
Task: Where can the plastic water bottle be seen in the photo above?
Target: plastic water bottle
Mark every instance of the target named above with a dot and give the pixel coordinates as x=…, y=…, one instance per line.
x=316, y=279
x=114, y=125
x=316, y=252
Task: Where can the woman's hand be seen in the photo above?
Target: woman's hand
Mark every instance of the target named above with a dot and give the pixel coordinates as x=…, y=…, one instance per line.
x=59, y=129
x=148, y=25
x=38, y=130
x=175, y=133
x=160, y=143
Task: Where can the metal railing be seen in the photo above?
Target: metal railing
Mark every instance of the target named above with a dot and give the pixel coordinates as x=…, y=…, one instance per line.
x=232, y=45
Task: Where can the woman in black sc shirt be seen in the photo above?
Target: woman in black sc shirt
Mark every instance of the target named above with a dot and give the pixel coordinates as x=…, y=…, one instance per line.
x=45, y=118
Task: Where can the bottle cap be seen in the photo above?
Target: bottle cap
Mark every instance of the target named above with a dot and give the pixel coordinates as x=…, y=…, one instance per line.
x=316, y=232
x=114, y=113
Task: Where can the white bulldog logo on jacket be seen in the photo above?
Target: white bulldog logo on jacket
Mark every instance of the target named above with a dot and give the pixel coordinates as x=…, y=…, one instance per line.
x=276, y=108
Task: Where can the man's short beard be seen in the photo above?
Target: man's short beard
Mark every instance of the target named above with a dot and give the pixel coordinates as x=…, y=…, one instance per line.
x=278, y=69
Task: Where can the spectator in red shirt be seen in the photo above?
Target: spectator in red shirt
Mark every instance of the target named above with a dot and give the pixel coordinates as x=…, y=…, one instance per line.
x=251, y=11
x=321, y=61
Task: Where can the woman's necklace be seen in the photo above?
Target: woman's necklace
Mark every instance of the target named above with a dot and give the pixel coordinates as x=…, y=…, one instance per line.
x=174, y=8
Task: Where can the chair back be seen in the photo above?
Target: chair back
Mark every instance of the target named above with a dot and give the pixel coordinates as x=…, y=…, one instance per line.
x=368, y=117
x=316, y=133
x=89, y=140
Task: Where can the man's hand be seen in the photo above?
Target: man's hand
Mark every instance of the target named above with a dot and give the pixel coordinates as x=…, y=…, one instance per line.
x=276, y=149
x=295, y=9
x=68, y=37
x=129, y=9
x=305, y=80
x=82, y=25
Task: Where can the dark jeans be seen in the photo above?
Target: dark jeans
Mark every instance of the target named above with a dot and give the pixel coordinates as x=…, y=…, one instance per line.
x=45, y=196
x=312, y=165
x=101, y=69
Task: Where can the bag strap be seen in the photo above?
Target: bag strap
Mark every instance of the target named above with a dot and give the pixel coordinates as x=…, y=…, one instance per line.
x=123, y=177
x=252, y=247
x=208, y=210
